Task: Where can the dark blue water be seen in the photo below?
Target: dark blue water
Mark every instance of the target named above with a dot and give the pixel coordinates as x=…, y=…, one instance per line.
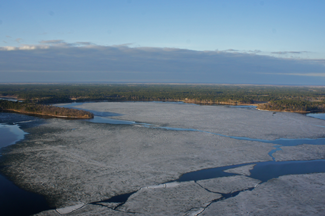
x=265, y=171
x=119, y=198
x=262, y=171
x=14, y=200
x=208, y=173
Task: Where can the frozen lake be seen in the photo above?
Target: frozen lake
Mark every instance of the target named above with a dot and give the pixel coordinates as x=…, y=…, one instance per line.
x=134, y=157
x=14, y=200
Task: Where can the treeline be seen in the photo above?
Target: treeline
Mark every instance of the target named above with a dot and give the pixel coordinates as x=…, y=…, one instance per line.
x=214, y=93
x=294, y=106
x=200, y=94
x=46, y=110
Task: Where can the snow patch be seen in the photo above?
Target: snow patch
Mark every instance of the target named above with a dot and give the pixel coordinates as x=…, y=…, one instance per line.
x=69, y=209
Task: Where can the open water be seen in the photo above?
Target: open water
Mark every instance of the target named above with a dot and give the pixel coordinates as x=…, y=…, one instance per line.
x=14, y=200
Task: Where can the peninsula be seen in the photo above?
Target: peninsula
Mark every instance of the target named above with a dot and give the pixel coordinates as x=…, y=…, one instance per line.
x=44, y=110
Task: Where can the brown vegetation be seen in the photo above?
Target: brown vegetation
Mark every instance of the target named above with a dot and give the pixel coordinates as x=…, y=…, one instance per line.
x=44, y=110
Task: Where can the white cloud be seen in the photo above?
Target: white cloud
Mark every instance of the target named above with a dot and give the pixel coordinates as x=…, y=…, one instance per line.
x=27, y=47
x=8, y=48
x=23, y=47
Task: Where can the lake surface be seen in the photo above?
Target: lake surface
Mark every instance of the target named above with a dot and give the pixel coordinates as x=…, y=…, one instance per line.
x=10, y=134
x=103, y=118
x=14, y=200
x=262, y=171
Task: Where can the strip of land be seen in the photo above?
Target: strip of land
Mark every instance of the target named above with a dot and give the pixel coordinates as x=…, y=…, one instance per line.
x=43, y=110
x=303, y=99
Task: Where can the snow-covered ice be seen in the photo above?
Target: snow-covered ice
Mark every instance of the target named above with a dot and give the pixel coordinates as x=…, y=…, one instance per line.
x=301, y=152
x=75, y=161
x=242, y=170
x=69, y=209
x=286, y=195
x=229, y=184
x=177, y=200
x=217, y=119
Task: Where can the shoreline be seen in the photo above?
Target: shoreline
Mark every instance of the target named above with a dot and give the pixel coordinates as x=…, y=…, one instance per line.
x=40, y=114
x=187, y=101
x=197, y=103
x=12, y=97
x=288, y=111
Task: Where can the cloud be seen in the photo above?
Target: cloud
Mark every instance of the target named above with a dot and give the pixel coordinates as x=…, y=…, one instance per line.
x=52, y=42
x=242, y=51
x=59, y=61
x=84, y=43
x=18, y=40
x=231, y=50
x=254, y=51
x=8, y=48
x=289, y=52
x=300, y=74
x=23, y=47
x=62, y=43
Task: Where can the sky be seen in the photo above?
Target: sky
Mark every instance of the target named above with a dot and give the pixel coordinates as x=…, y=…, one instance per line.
x=183, y=41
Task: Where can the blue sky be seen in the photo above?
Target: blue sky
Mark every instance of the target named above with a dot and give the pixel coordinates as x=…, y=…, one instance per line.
x=282, y=29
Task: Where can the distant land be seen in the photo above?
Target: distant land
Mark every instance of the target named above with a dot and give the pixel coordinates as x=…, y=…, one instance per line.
x=300, y=99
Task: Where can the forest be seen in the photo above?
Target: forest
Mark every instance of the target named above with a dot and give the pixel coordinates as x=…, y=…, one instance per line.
x=293, y=106
x=280, y=98
x=45, y=110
